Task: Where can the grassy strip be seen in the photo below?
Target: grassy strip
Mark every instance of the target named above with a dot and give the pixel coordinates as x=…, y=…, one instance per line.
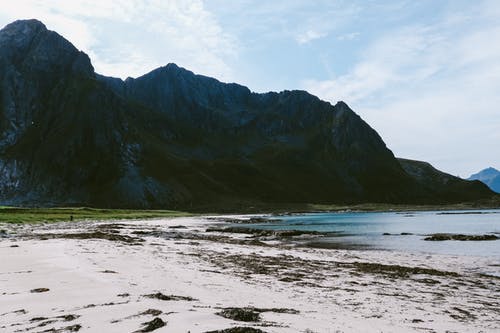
x=228, y=206
x=36, y=215
x=382, y=207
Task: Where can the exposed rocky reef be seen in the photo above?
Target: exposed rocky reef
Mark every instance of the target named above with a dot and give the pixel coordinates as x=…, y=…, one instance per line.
x=461, y=237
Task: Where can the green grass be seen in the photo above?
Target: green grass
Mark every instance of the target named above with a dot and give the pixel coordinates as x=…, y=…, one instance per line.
x=382, y=207
x=37, y=215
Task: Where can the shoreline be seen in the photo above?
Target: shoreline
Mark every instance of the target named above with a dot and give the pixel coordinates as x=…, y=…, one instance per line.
x=27, y=214
x=99, y=275
x=310, y=231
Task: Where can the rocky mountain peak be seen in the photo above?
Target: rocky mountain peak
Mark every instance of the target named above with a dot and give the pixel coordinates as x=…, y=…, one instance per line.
x=490, y=176
x=17, y=36
x=491, y=170
x=485, y=173
x=35, y=64
x=23, y=29
x=30, y=45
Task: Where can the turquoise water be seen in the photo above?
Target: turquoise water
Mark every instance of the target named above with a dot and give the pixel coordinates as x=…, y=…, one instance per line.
x=365, y=230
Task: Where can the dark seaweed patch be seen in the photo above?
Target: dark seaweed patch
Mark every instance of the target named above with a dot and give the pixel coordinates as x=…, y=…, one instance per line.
x=152, y=325
x=238, y=330
x=39, y=290
x=163, y=297
x=395, y=270
x=96, y=235
x=240, y=314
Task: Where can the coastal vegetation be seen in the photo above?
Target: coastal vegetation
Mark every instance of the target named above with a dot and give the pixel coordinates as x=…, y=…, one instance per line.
x=36, y=215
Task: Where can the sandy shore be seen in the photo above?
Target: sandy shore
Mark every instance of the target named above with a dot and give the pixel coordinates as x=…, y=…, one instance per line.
x=123, y=276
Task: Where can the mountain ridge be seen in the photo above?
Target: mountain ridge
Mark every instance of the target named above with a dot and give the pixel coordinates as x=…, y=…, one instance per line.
x=489, y=176
x=171, y=138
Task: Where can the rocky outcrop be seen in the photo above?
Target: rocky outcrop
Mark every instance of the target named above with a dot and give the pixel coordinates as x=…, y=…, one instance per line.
x=174, y=139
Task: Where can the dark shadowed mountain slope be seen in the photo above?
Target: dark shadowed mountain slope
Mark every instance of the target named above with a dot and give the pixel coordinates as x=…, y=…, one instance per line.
x=175, y=139
x=443, y=185
x=489, y=176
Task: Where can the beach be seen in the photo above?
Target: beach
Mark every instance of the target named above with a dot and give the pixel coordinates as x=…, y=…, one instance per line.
x=171, y=275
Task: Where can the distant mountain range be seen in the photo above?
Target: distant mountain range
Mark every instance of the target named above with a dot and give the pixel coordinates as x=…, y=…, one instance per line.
x=173, y=139
x=489, y=176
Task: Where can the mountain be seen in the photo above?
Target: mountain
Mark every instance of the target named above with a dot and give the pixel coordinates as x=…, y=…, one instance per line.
x=489, y=176
x=170, y=138
x=442, y=185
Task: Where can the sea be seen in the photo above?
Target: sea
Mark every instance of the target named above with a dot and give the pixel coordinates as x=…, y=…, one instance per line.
x=404, y=231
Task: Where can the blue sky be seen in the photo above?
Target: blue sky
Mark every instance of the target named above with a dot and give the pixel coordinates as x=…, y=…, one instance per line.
x=424, y=74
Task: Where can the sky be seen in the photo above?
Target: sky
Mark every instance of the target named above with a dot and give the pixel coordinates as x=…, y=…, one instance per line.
x=425, y=74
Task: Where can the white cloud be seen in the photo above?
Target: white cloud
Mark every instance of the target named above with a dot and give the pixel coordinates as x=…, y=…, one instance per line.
x=348, y=36
x=300, y=20
x=311, y=24
x=309, y=35
x=391, y=60
x=431, y=91
x=129, y=38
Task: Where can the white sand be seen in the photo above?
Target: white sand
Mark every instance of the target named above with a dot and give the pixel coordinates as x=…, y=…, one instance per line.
x=331, y=293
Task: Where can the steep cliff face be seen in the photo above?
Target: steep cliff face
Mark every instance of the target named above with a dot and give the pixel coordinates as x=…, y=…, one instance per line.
x=55, y=130
x=34, y=62
x=174, y=139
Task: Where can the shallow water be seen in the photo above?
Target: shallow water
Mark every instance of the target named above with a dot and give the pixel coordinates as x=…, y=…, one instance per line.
x=365, y=230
